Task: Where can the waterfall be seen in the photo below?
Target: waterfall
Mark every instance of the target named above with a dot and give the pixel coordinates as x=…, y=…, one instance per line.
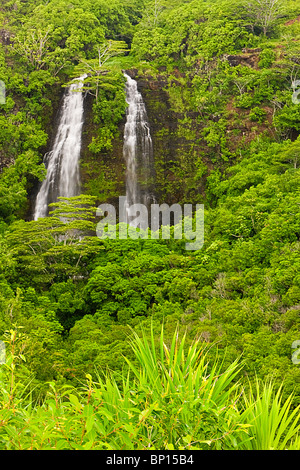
x=137, y=149
x=62, y=163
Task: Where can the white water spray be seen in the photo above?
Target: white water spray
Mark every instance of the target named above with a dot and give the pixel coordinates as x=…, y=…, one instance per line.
x=138, y=148
x=62, y=163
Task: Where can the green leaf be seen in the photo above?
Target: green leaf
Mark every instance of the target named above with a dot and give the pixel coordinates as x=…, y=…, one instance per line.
x=74, y=400
x=90, y=423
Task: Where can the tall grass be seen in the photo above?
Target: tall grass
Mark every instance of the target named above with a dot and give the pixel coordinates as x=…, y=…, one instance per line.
x=274, y=425
x=195, y=405
x=171, y=398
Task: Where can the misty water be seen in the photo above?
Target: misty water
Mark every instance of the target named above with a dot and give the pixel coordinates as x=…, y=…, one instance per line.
x=138, y=148
x=62, y=162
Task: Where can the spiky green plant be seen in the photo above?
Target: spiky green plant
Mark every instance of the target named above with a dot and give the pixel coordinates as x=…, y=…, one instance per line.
x=274, y=424
x=194, y=402
x=174, y=399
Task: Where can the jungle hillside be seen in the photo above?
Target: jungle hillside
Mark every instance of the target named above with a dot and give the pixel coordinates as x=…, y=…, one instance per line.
x=137, y=343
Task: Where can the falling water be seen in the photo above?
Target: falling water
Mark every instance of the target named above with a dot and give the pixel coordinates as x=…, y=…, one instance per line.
x=62, y=162
x=138, y=148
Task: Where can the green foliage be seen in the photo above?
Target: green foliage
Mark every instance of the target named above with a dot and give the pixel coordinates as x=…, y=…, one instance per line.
x=273, y=423
x=195, y=29
x=108, y=110
x=267, y=58
x=48, y=248
x=287, y=117
x=257, y=114
x=226, y=74
x=173, y=399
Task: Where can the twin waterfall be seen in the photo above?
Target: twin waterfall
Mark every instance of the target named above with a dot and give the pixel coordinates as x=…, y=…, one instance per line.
x=62, y=163
x=138, y=149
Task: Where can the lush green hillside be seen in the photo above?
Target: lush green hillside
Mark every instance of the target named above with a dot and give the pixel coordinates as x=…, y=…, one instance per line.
x=219, y=83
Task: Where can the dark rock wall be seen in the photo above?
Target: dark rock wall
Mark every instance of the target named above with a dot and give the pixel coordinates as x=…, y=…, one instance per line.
x=102, y=174
x=176, y=151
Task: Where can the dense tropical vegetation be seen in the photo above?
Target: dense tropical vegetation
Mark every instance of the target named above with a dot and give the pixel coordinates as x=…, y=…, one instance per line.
x=88, y=364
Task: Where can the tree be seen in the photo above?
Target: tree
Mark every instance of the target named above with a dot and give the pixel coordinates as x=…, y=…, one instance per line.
x=152, y=13
x=33, y=45
x=56, y=247
x=263, y=13
x=97, y=68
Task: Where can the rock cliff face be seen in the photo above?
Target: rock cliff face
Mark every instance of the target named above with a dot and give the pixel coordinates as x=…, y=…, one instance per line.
x=182, y=157
x=177, y=142
x=5, y=161
x=102, y=174
x=250, y=58
x=174, y=136
x=171, y=143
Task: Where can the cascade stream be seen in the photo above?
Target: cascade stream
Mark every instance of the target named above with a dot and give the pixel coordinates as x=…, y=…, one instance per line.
x=137, y=149
x=62, y=163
